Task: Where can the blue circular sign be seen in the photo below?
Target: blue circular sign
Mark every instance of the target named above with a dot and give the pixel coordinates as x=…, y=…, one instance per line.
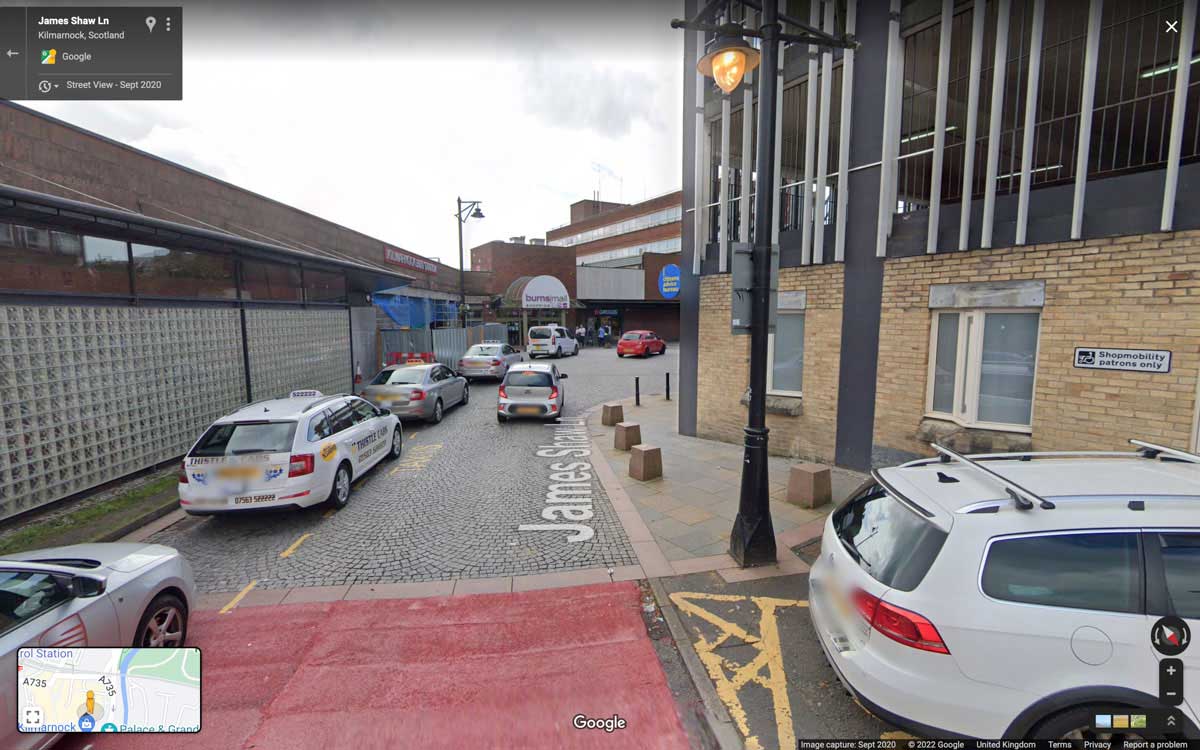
x=668, y=281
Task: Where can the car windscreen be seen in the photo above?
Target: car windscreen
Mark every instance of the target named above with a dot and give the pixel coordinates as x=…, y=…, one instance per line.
x=539, y=333
x=893, y=544
x=631, y=337
x=246, y=437
x=402, y=376
x=529, y=379
x=482, y=351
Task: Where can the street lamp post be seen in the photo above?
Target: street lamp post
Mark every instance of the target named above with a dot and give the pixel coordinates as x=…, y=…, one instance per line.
x=466, y=210
x=752, y=540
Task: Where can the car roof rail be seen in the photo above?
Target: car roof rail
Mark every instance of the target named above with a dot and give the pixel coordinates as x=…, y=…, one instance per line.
x=1150, y=450
x=1022, y=498
x=1026, y=456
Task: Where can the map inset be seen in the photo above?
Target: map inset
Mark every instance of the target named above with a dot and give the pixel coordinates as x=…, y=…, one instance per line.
x=108, y=690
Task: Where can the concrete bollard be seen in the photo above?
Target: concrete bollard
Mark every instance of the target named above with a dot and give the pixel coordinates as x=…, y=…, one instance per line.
x=611, y=414
x=645, y=463
x=809, y=485
x=627, y=435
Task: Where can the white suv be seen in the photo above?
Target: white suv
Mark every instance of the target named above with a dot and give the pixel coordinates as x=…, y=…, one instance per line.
x=551, y=341
x=1015, y=595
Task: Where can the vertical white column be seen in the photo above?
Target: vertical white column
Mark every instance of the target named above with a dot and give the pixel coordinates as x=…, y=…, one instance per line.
x=891, y=121
x=701, y=169
x=810, y=131
x=823, y=140
x=747, y=157
x=1087, y=104
x=939, y=126
x=843, y=191
x=999, y=63
x=1031, y=100
x=1187, y=33
x=777, y=148
x=723, y=198
x=964, y=220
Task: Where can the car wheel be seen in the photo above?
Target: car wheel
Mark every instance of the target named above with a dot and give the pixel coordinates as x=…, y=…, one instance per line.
x=1076, y=724
x=437, y=412
x=339, y=494
x=558, y=353
x=397, y=444
x=501, y=418
x=163, y=624
x=466, y=397
x=620, y=355
x=663, y=350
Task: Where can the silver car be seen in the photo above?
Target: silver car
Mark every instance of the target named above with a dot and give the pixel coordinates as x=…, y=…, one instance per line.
x=491, y=359
x=112, y=595
x=418, y=391
x=531, y=390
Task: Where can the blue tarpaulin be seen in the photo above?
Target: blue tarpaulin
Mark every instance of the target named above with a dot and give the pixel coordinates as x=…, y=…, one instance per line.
x=416, y=312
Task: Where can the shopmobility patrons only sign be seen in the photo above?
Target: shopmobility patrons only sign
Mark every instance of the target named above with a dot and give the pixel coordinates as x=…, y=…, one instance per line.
x=1132, y=360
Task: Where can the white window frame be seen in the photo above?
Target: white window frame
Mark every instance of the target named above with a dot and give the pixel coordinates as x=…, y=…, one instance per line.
x=968, y=359
x=771, y=390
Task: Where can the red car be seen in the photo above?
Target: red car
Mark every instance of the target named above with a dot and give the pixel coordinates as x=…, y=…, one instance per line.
x=640, y=343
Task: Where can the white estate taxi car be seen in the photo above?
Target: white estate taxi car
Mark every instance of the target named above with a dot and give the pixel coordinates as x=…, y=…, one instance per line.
x=295, y=451
x=1017, y=595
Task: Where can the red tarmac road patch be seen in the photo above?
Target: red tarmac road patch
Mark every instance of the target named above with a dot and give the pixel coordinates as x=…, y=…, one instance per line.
x=492, y=670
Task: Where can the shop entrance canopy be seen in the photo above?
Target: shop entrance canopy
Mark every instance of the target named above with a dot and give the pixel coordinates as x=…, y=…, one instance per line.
x=537, y=293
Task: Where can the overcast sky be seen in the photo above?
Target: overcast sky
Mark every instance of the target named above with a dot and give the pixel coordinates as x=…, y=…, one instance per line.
x=376, y=115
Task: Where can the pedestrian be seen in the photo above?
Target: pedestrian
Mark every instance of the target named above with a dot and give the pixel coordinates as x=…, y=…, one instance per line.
x=580, y=333
x=602, y=334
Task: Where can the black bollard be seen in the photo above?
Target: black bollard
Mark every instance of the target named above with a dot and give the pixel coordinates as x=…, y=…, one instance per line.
x=668, y=386
x=637, y=391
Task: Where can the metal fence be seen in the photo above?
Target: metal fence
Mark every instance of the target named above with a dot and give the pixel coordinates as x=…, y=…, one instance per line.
x=449, y=344
x=416, y=340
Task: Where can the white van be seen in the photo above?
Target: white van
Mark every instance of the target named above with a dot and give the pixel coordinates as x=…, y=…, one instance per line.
x=551, y=341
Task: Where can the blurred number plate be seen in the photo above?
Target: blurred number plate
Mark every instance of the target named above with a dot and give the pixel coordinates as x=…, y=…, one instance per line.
x=239, y=472
x=528, y=410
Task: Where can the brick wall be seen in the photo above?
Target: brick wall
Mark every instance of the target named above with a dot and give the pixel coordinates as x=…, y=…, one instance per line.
x=724, y=369
x=613, y=215
x=509, y=261
x=1137, y=292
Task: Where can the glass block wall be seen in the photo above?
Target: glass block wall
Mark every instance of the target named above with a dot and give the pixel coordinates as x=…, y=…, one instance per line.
x=298, y=348
x=90, y=394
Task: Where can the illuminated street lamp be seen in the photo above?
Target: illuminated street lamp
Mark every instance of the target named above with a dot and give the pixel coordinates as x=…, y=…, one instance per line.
x=466, y=210
x=730, y=57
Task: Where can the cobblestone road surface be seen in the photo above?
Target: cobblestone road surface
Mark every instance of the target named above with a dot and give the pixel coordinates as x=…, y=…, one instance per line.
x=450, y=507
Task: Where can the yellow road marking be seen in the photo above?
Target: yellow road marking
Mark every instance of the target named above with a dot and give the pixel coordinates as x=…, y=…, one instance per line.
x=240, y=595
x=416, y=458
x=329, y=513
x=898, y=736
x=730, y=677
x=295, y=545
x=412, y=436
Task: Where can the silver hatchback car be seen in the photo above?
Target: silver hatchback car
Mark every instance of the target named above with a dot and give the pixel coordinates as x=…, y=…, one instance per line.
x=531, y=390
x=491, y=359
x=418, y=391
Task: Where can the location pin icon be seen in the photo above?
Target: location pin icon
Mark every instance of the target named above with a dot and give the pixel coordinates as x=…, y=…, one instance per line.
x=150, y=23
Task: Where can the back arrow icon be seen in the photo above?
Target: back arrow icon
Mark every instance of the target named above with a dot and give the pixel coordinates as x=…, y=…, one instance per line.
x=10, y=53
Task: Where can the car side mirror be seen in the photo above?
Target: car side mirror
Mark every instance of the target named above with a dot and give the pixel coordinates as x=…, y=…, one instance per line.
x=562, y=376
x=85, y=587
x=381, y=412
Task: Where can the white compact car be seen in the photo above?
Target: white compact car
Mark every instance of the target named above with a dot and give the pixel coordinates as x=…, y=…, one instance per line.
x=1016, y=595
x=531, y=390
x=295, y=451
x=112, y=595
x=551, y=341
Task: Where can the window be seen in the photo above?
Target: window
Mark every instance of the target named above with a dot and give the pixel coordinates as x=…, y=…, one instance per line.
x=529, y=379
x=271, y=281
x=1099, y=571
x=786, y=345
x=321, y=286
x=891, y=542
x=341, y=418
x=362, y=410
x=25, y=595
x=168, y=272
x=400, y=376
x=246, y=437
x=40, y=260
x=981, y=367
x=318, y=428
x=1181, y=564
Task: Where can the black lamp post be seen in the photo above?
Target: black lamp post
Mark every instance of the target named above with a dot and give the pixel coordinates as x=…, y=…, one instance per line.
x=466, y=210
x=752, y=540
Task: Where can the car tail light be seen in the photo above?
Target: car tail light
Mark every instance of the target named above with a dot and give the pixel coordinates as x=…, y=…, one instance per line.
x=300, y=464
x=416, y=396
x=503, y=393
x=495, y=363
x=553, y=339
x=553, y=392
x=183, y=472
x=901, y=625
